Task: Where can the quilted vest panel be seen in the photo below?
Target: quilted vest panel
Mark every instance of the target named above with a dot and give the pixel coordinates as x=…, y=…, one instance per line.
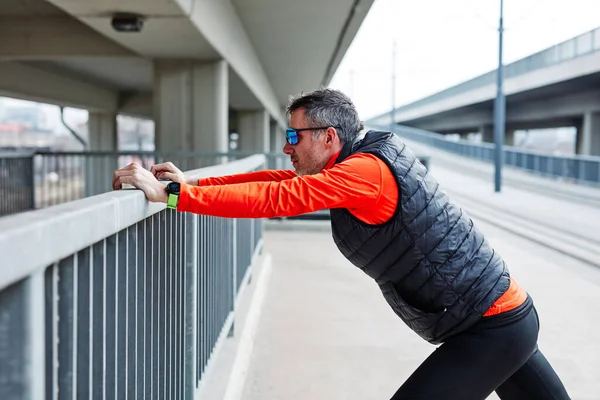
x=434, y=267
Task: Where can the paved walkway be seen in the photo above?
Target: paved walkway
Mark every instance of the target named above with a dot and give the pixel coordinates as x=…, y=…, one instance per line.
x=325, y=331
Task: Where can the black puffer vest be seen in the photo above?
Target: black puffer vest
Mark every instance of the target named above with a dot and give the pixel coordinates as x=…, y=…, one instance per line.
x=435, y=269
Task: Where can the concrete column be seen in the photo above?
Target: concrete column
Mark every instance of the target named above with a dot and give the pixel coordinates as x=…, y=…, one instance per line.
x=487, y=133
x=277, y=143
x=254, y=130
x=509, y=137
x=99, y=168
x=191, y=109
x=102, y=132
x=588, y=135
x=277, y=138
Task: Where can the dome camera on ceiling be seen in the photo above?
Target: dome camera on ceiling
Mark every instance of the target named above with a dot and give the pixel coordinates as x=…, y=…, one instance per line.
x=127, y=22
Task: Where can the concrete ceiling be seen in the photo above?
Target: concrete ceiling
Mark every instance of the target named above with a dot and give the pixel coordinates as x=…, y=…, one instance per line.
x=297, y=41
x=298, y=44
x=129, y=74
x=28, y=8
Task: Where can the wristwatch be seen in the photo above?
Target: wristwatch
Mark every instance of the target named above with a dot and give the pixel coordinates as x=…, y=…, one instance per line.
x=173, y=191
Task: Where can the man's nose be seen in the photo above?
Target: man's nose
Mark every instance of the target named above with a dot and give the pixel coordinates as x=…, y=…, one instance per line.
x=288, y=149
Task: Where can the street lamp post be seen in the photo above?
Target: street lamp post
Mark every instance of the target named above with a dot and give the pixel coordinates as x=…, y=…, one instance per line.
x=499, y=109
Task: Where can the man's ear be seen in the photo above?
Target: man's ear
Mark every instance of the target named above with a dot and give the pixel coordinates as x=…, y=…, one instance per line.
x=330, y=135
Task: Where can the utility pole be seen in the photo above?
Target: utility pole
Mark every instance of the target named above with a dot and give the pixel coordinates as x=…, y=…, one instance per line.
x=393, y=113
x=499, y=109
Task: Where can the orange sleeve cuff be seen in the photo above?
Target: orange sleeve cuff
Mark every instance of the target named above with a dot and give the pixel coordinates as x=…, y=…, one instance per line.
x=185, y=200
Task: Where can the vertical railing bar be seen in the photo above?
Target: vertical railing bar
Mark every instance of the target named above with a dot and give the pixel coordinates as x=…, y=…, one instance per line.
x=200, y=299
x=132, y=268
x=54, y=302
x=75, y=314
x=117, y=314
x=164, y=304
x=178, y=332
x=156, y=305
x=177, y=353
x=213, y=287
x=91, y=325
x=140, y=307
x=116, y=310
x=127, y=316
x=35, y=331
x=149, y=311
x=211, y=282
x=206, y=294
x=181, y=315
x=147, y=287
x=104, y=327
x=205, y=300
x=234, y=263
x=216, y=276
x=190, y=305
x=168, y=297
x=171, y=312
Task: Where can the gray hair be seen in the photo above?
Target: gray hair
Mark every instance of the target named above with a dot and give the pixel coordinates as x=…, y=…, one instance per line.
x=329, y=107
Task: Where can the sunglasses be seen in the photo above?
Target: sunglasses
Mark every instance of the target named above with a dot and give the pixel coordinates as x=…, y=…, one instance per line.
x=291, y=134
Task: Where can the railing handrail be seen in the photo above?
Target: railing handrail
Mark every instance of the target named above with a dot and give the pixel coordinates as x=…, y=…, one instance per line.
x=16, y=154
x=465, y=142
x=61, y=230
x=140, y=153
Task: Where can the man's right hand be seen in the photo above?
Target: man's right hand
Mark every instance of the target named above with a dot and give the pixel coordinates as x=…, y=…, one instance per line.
x=169, y=172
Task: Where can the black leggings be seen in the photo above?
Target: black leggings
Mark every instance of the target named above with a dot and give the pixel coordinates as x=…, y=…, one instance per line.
x=499, y=354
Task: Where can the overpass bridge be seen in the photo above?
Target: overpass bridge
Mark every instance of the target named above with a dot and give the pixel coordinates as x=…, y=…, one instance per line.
x=556, y=87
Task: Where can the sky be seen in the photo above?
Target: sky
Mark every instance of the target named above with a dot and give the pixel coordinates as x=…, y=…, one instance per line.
x=440, y=43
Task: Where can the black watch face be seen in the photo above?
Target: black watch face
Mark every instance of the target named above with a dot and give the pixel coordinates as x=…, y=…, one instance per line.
x=173, y=188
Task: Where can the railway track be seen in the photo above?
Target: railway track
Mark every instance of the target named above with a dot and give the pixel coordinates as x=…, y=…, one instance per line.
x=562, y=240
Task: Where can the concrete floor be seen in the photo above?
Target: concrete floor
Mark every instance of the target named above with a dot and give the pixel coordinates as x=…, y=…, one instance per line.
x=325, y=332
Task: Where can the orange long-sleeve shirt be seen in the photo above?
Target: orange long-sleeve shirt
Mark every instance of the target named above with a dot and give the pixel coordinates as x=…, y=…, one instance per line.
x=362, y=184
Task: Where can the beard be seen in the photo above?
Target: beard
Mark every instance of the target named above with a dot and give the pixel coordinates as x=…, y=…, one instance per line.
x=311, y=164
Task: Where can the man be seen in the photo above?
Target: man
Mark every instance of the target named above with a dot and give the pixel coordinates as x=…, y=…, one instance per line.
x=389, y=217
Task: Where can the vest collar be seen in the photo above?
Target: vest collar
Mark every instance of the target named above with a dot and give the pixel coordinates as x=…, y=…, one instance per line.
x=350, y=147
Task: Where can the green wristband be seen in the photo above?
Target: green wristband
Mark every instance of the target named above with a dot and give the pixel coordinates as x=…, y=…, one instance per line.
x=172, y=201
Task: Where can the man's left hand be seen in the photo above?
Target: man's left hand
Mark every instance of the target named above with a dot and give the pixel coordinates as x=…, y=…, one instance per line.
x=141, y=178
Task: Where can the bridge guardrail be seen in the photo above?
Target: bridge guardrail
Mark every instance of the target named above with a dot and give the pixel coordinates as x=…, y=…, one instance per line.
x=40, y=179
x=577, y=169
x=111, y=296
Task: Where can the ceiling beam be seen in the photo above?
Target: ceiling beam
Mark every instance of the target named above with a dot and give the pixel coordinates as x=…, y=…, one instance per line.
x=137, y=105
x=44, y=38
x=219, y=23
x=27, y=82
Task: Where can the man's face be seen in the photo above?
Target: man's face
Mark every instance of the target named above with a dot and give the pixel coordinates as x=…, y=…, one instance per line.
x=311, y=154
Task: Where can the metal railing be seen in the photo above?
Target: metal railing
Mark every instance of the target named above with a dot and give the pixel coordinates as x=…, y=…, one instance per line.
x=16, y=183
x=113, y=297
x=579, y=169
x=40, y=179
x=576, y=47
